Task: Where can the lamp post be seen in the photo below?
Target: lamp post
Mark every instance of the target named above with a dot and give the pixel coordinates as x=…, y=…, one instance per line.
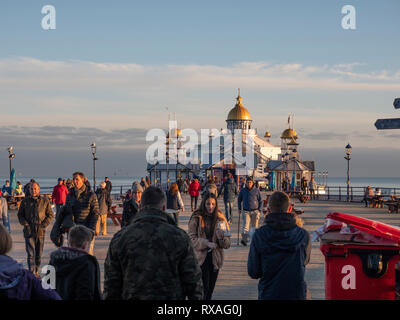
x=167, y=158
x=11, y=156
x=347, y=157
x=93, y=148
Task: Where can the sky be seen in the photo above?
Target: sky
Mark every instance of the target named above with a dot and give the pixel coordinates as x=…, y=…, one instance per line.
x=110, y=70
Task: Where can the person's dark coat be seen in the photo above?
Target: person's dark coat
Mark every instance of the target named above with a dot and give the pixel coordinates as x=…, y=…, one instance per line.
x=77, y=274
x=129, y=210
x=279, y=252
x=62, y=224
x=250, y=199
x=152, y=259
x=108, y=186
x=104, y=201
x=18, y=283
x=35, y=215
x=83, y=206
x=229, y=188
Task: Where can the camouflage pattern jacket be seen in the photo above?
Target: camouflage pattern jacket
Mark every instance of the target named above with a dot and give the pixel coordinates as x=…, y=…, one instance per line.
x=152, y=259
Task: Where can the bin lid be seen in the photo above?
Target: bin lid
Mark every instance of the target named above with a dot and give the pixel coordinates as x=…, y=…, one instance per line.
x=369, y=226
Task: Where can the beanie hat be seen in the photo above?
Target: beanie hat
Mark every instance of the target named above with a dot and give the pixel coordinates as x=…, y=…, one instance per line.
x=137, y=187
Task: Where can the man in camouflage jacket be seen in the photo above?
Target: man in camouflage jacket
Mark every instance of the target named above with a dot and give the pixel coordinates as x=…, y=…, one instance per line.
x=151, y=258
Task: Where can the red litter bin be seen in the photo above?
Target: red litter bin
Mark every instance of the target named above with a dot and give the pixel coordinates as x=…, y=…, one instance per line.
x=360, y=258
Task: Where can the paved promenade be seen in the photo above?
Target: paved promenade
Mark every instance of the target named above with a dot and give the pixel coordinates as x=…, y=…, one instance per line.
x=233, y=282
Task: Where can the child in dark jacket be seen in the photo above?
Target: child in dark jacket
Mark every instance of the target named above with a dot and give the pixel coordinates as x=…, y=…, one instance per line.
x=279, y=252
x=77, y=272
x=17, y=282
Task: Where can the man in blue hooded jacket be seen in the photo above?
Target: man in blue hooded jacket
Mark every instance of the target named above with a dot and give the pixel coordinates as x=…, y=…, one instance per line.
x=279, y=252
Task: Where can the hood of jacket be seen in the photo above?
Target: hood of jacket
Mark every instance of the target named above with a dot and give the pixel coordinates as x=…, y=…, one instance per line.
x=280, y=232
x=67, y=260
x=155, y=215
x=10, y=272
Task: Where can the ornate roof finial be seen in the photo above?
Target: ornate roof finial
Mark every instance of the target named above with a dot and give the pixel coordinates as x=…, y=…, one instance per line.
x=239, y=99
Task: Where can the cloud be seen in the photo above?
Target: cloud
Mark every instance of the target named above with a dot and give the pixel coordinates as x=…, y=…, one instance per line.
x=71, y=138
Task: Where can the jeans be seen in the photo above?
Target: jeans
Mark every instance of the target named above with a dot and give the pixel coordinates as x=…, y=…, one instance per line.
x=249, y=224
x=58, y=208
x=193, y=200
x=34, y=250
x=4, y=213
x=209, y=276
x=228, y=209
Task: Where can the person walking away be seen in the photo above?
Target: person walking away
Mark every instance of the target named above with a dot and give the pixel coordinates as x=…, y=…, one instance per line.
x=77, y=272
x=313, y=187
x=82, y=205
x=4, y=213
x=210, y=187
x=250, y=206
x=152, y=259
x=59, y=195
x=194, y=193
x=131, y=205
x=148, y=181
x=104, y=201
x=229, y=188
x=180, y=184
x=174, y=201
x=279, y=252
x=34, y=215
x=209, y=231
x=108, y=185
x=16, y=282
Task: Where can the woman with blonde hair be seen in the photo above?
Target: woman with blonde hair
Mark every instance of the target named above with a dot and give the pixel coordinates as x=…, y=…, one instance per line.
x=209, y=232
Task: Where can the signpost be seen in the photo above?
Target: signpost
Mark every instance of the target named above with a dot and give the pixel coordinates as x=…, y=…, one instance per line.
x=393, y=123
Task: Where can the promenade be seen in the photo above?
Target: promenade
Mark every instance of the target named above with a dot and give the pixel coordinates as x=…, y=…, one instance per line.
x=233, y=282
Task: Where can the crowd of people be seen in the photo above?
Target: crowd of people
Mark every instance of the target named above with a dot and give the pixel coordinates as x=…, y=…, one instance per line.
x=151, y=257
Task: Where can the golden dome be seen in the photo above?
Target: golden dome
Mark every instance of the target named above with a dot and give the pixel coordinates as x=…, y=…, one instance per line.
x=289, y=134
x=267, y=135
x=239, y=112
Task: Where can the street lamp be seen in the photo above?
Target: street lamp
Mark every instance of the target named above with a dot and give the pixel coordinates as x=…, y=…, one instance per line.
x=93, y=148
x=11, y=156
x=347, y=157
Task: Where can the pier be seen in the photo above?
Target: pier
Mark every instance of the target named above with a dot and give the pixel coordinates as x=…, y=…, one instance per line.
x=233, y=282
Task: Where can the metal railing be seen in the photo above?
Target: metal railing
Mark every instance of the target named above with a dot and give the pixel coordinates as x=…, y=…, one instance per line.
x=356, y=194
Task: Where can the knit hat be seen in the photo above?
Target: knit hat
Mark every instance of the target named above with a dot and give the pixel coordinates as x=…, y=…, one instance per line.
x=136, y=186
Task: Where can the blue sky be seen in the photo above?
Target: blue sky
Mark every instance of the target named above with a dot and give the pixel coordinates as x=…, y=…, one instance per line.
x=118, y=65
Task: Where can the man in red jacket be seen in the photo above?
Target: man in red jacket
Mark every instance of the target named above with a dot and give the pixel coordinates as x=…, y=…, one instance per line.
x=59, y=195
x=194, y=189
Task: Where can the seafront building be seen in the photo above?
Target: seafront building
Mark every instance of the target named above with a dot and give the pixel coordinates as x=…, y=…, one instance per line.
x=216, y=157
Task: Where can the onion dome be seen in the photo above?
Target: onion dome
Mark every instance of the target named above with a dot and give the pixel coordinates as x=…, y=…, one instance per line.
x=267, y=134
x=239, y=112
x=289, y=134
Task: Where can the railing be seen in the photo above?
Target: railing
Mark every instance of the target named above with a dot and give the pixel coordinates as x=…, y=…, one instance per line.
x=356, y=194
